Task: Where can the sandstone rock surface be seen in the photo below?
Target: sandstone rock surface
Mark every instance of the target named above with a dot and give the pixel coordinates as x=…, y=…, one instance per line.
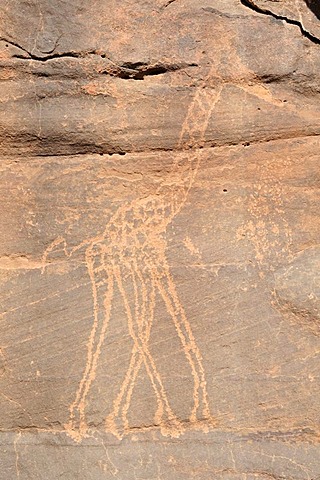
x=159, y=239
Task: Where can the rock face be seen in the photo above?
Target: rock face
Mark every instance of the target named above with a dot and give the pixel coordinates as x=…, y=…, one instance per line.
x=159, y=239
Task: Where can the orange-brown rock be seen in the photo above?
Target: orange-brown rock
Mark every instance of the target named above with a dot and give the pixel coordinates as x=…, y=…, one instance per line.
x=159, y=239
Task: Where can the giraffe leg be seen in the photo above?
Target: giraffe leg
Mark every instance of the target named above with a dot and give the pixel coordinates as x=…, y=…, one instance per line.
x=102, y=292
x=141, y=345
x=167, y=290
x=112, y=420
x=144, y=312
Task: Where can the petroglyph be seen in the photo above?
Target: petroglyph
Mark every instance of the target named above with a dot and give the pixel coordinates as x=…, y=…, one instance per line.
x=133, y=247
x=268, y=229
x=192, y=248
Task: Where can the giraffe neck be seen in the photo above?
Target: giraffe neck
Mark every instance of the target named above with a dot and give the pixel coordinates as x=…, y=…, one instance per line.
x=176, y=187
x=154, y=213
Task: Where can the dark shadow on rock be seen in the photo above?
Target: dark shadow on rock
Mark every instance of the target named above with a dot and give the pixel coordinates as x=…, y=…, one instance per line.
x=314, y=6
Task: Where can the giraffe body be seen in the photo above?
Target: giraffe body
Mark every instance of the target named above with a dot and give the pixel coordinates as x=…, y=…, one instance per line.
x=132, y=248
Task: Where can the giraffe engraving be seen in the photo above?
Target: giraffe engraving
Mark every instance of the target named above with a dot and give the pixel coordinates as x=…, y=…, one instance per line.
x=133, y=246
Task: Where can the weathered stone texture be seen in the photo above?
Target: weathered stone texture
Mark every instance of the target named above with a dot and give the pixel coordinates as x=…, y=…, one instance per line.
x=159, y=239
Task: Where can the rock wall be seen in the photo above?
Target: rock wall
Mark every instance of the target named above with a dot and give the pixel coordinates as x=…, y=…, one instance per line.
x=159, y=239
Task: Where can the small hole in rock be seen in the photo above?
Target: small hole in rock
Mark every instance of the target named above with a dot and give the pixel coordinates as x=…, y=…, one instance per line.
x=225, y=190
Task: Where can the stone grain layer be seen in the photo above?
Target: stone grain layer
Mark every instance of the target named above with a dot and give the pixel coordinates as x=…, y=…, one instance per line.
x=159, y=239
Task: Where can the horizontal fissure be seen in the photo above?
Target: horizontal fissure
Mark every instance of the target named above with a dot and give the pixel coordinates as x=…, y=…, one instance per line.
x=250, y=4
x=214, y=145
